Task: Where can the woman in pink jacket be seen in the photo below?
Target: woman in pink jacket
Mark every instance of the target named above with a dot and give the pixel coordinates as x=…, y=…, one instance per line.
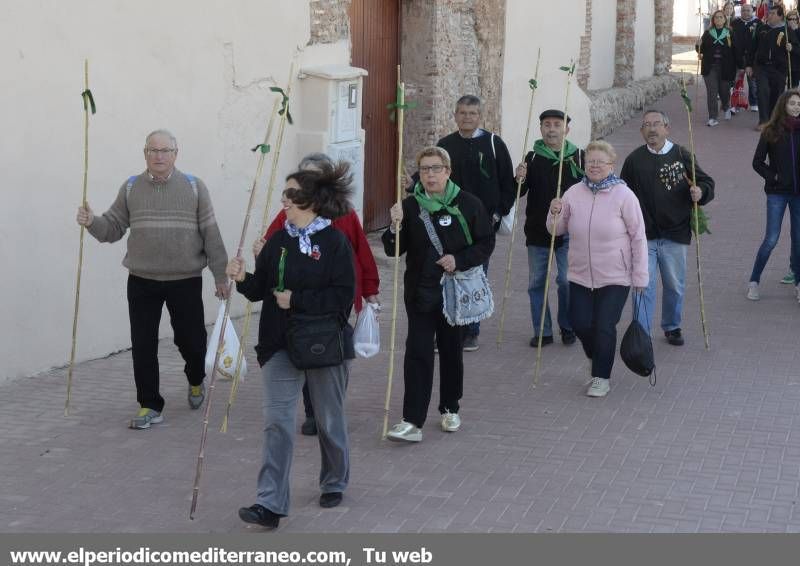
x=607, y=256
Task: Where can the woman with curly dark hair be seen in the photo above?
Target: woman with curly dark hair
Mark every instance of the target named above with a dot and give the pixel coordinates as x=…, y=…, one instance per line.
x=303, y=273
x=776, y=160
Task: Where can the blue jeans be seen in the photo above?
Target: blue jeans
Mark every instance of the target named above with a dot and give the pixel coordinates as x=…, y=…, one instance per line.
x=752, y=90
x=537, y=272
x=668, y=258
x=474, y=329
x=776, y=207
x=595, y=314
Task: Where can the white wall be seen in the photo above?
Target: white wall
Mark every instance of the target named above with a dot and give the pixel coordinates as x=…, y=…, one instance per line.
x=522, y=42
x=685, y=21
x=644, y=58
x=604, y=36
x=200, y=69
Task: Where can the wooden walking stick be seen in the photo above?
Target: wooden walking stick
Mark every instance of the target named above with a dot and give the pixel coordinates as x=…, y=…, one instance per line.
x=262, y=149
x=699, y=219
x=788, y=55
x=88, y=106
x=570, y=71
x=284, y=113
x=398, y=108
x=285, y=117
x=533, y=84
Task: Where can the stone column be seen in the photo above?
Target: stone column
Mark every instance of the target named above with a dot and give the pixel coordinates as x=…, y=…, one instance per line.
x=664, y=11
x=623, y=65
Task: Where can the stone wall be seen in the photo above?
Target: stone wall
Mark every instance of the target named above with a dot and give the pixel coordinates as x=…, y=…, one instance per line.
x=330, y=21
x=664, y=14
x=624, y=52
x=584, y=70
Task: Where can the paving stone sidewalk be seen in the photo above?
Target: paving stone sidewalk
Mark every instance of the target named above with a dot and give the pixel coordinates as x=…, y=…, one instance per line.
x=712, y=447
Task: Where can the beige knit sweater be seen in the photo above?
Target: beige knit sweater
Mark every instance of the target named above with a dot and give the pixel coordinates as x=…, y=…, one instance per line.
x=173, y=232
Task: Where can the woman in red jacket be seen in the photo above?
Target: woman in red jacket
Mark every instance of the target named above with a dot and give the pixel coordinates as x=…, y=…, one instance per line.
x=367, y=279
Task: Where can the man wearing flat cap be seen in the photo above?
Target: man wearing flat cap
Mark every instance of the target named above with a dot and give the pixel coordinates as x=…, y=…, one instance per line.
x=539, y=173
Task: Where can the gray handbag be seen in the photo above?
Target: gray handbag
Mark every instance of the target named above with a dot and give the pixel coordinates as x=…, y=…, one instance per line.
x=466, y=295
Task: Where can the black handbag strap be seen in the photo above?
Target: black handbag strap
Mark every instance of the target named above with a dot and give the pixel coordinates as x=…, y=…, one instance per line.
x=639, y=302
x=434, y=237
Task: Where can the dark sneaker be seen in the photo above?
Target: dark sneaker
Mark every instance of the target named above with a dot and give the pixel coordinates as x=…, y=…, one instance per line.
x=534, y=343
x=674, y=337
x=309, y=427
x=259, y=515
x=788, y=279
x=144, y=418
x=196, y=395
x=470, y=343
x=332, y=499
x=567, y=337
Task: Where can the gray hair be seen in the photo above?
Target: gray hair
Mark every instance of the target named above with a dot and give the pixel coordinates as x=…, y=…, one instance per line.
x=468, y=100
x=664, y=117
x=315, y=162
x=161, y=132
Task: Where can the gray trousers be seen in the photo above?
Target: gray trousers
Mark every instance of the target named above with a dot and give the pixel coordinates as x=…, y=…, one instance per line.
x=716, y=86
x=282, y=385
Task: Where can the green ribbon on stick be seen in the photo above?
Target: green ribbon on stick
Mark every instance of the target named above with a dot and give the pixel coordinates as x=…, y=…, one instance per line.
x=88, y=101
x=686, y=100
x=264, y=147
x=284, y=104
x=399, y=104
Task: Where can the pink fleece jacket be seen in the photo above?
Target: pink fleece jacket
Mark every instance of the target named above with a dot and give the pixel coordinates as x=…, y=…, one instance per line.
x=607, y=241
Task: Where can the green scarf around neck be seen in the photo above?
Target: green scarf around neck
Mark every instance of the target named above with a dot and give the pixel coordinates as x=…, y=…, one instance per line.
x=436, y=202
x=570, y=150
x=720, y=36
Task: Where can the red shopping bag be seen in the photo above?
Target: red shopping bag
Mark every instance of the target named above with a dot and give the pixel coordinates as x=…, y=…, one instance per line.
x=739, y=94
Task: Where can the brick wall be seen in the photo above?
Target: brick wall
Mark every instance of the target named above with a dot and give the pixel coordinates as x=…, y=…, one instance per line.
x=584, y=59
x=330, y=21
x=624, y=49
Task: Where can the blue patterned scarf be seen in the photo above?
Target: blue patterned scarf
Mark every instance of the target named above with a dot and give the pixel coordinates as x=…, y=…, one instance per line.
x=319, y=223
x=604, y=184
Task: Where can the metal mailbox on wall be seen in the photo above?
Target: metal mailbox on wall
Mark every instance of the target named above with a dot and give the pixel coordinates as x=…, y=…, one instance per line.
x=330, y=122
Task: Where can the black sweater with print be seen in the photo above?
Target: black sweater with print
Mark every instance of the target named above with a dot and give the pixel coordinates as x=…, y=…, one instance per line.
x=422, y=288
x=321, y=283
x=659, y=182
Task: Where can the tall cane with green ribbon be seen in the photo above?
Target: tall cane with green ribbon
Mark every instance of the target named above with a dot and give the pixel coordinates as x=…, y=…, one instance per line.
x=398, y=108
x=570, y=71
x=88, y=106
x=261, y=149
x=699, y=219
x=533, y=84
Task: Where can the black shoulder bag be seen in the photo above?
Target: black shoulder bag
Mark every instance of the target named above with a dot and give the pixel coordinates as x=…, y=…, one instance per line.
x=315, y=340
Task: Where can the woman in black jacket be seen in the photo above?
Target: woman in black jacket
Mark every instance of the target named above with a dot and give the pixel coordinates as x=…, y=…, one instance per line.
x=462, y=224
x=304, y=269
x=720, y=56
x=776, y=160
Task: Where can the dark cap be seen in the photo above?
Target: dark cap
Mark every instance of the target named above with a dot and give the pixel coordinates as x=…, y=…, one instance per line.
x=552, y=113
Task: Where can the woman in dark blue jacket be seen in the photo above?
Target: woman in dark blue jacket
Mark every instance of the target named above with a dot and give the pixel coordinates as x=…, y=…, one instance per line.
x=776, y=160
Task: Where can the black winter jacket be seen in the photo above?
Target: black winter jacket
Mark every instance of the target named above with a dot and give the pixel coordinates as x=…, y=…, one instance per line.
x=732, y=55
x=422, y=291
x=777, y=163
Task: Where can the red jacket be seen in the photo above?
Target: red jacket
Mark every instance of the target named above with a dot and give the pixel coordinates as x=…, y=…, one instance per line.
x=367, y=279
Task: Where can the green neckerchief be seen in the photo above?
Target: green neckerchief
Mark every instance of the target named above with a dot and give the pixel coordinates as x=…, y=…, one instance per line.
x=570, y=150
x=720, y=37
x=437, y=202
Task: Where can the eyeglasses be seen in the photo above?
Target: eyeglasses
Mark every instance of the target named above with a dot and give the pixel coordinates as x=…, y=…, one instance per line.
x=655, y=124
x=792, y=19
x=432, y=168
x=154, y=152
x=598, y=163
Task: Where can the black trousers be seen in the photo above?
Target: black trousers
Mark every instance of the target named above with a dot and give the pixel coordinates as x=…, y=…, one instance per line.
x=594, y=316
x=146, y=298
x=418, y=365
x=771, y=83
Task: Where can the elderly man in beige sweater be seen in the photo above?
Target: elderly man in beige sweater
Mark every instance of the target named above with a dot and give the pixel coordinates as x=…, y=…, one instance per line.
x=173, y=236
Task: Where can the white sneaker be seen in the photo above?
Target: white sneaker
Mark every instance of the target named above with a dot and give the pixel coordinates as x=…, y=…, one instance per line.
x=451, y=422
x=734, y=110
x=728, y=114
x=712, y=122
x=754, y=108
x=405, y=432
x=752, y=291
x=599, y=387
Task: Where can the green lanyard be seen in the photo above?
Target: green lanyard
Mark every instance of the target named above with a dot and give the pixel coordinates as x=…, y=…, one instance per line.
x=281, y=270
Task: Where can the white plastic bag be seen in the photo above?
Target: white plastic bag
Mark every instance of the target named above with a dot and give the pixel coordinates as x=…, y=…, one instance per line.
x=367, y=336
x=230, y=349
x=507, y=222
